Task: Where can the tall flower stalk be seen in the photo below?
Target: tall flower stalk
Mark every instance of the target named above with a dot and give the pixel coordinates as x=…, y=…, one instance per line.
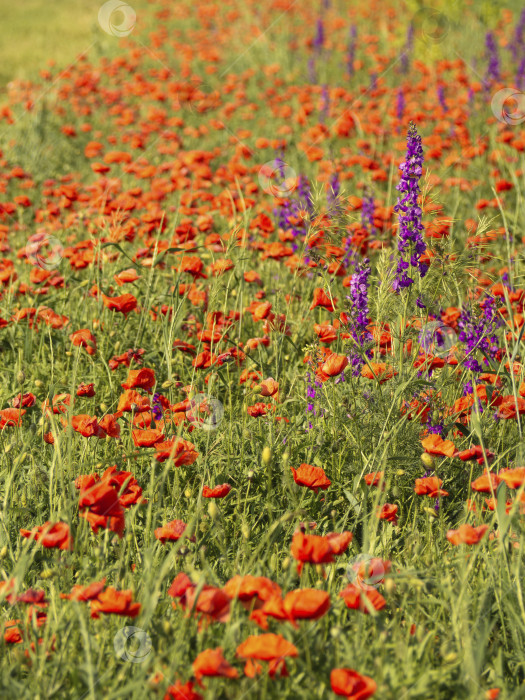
x=410, y=237
x=357, y=320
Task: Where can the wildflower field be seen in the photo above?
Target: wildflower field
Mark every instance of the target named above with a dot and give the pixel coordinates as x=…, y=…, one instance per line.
x=262, y=293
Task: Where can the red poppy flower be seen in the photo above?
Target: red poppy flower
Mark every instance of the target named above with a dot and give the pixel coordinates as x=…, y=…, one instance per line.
x=180, y=691
x=99, y=504
x=113, y=602
x=514, y=478
x=378, y=370
x=322, y=299
x=312, y=477
x=374, y=478
x=245, y=588
x=51, y=535
x=25, y=401
x=85, y=593
x=354, y=597
x=11, y=417
x=123, y=304
x=334, y=365
x=435, y=445
x=147, y=438
x=180, y=451
x=84, y=338
x=351, y=684
x=429, y=486
x=216, y=492
x=257, y=410
x=211, y=662
x=388, y=512
x=142, y=378
x=486, y=483
x=467, y=534
x=171, y=531
x=315, y=549
x=86, y=390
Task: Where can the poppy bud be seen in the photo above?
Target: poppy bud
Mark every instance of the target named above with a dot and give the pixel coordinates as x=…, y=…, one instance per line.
x=266, y=455
x=250, y=475
x=390, y=586
x=20, y=377
x=166, y=626
x=167, y=384
x=3, y=552
x=47, y=573
x=431, y=513
x=427, y=460
x=187, y=493
x=39, y=383
x=286, y=563
x=335, y=632
x=117, y=345
x=286, y=457
x=8, y=448
x=400, y=472
x=103, y=407
x=213, y=511
x=245, y=530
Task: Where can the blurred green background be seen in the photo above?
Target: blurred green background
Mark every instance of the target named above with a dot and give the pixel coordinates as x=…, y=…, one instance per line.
x=35, y=32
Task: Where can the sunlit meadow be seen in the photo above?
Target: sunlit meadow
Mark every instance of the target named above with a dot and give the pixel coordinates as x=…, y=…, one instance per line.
x=261, y=321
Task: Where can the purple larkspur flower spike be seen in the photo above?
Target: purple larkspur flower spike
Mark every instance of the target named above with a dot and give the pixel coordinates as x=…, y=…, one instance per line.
x=410, y=236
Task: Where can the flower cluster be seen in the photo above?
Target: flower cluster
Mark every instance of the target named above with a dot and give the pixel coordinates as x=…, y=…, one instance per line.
x=410, y=226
